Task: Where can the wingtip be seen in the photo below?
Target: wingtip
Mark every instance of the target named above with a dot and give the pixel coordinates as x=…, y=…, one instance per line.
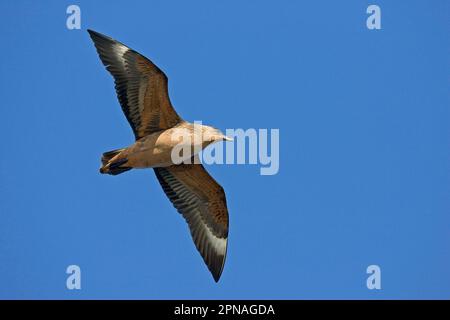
x=216, y=277
x=217, y=273
x=95, y=34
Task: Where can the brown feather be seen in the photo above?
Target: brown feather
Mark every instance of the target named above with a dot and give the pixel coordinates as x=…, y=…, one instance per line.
x=141, y=87
x=201, y=201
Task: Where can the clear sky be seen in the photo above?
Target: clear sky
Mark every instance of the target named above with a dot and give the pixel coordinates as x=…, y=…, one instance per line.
x=364, y=124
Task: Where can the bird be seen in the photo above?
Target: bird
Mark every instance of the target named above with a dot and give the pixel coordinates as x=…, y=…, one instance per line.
x=142, y=91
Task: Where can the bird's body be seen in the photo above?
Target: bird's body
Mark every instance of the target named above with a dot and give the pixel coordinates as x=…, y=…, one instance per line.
x=155, y=150
x=168, y=144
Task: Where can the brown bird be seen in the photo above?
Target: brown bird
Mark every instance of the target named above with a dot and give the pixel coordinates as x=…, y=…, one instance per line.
x=141, y=88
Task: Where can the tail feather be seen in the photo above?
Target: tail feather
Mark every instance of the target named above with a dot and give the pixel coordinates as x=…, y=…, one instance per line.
x=116, y=167
x=109, y=155
x=118, y=170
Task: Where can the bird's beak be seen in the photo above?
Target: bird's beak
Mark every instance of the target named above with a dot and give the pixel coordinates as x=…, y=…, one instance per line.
x=225, y=138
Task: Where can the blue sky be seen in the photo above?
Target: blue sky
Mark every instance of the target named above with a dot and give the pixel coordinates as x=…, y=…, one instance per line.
x=364, y=174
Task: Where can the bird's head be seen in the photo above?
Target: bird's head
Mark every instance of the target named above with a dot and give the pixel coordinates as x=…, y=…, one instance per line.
x=211, y=135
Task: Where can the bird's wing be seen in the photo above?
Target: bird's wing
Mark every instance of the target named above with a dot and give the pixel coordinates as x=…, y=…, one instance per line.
x=201, y=201
x=141, y=86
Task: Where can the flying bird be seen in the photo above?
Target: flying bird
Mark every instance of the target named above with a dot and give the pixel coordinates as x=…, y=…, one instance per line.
x=142, y=90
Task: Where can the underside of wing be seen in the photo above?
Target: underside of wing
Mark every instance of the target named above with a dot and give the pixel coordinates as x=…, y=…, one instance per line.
x=141, y=86
x=201, y=201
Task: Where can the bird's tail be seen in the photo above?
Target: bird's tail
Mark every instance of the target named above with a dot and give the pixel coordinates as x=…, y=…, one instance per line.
x=111, y=166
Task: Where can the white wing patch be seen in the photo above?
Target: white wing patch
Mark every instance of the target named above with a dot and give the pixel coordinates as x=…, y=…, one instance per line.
x=219, y=244
x=119, y=51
